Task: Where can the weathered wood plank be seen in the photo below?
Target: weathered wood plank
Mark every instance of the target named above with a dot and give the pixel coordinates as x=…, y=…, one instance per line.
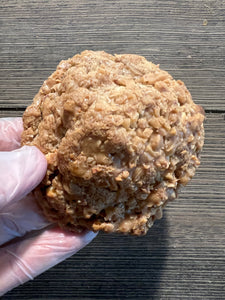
x=35, y=36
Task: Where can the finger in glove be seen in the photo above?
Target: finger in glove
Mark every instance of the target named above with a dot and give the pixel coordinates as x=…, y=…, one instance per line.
x=10, y=133
x=25, y=260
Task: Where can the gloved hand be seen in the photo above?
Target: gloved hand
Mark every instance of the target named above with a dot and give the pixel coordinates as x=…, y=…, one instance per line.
x=37, y=246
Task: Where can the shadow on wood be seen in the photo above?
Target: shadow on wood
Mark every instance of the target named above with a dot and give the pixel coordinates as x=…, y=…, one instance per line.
x=111, y=267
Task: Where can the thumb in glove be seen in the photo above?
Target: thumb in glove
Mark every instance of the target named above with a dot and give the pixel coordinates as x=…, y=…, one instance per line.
x=21, y=171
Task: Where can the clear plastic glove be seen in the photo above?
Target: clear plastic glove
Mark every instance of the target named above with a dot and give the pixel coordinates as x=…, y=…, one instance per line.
x=22, y=169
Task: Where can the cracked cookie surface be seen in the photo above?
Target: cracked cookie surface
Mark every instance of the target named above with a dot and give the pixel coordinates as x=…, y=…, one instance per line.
x=120, y=137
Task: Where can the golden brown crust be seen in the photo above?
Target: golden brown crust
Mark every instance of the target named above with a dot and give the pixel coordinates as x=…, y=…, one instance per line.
x=120, y=136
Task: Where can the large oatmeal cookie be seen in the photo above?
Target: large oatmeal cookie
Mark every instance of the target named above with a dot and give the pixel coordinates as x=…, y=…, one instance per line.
x=120, y=137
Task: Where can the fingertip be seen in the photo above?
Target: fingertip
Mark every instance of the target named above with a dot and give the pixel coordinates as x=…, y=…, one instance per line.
x=21, y=171
x=89, y=236
x=67, y=242
x=10, y=133
x=37, y=165
x=17, y=121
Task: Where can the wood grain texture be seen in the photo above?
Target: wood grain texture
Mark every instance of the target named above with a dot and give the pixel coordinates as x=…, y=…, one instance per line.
x=36, y=35
x=183, y=255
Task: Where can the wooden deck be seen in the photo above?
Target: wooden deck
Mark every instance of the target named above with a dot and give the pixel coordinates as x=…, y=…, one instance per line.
x=183, y=255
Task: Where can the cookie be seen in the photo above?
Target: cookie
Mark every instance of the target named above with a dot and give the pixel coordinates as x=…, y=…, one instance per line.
x=121, y=137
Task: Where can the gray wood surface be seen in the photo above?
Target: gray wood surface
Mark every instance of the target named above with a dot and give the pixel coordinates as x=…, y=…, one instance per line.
x=183, y=255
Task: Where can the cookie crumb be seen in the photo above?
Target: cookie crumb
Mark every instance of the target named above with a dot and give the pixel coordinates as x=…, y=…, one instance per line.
x=205, y=22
